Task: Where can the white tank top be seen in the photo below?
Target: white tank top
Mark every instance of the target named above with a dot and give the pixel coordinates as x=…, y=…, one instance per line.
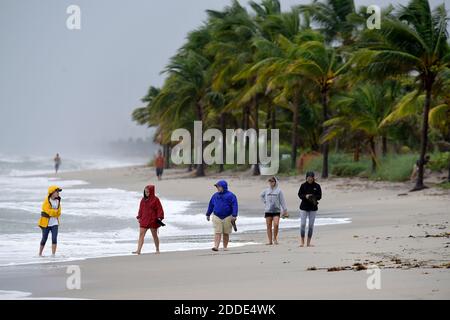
x=53, y=221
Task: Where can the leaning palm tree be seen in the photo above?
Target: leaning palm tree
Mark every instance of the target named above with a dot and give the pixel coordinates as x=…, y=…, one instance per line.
x=142, y=115
x=274, y=55
x=187, y=87
x=439, y=116
x=411, y=41
x=232, y=31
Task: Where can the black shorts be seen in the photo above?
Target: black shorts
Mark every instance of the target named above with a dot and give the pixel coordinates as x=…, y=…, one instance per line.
x=159, y=171
x=271, y=214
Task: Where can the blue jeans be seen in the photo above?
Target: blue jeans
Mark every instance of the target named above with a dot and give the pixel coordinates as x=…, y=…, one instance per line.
x=311, y=215
x=46, y=231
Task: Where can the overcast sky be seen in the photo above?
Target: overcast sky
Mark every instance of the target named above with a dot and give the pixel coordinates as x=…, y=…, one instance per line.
x=61, y=87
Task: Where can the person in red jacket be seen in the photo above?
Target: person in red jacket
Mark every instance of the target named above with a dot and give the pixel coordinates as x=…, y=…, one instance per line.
x=150, y=216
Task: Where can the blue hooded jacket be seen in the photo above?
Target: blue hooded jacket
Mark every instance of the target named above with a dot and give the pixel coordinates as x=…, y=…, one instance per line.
x=223, y=204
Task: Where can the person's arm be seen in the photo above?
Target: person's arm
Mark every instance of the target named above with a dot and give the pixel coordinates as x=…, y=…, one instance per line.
x=234, y=205
x=262, y=196
x=210, y=207
x=160, y=210
x=283, y=202
x=318, y=193
x=47, y=208
x=140, y=211
x=301, y=193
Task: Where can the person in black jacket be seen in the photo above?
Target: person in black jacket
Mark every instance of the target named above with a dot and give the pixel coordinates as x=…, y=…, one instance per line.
x=310, y=193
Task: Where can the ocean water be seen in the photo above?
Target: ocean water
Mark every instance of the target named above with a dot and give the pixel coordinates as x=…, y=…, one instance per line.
x=96, y=222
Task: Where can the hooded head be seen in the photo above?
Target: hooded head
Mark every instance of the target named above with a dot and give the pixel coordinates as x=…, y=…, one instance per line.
x=223, y=184
x=274, y=179
x=151, y=191
x=53, y=189
x=310, y=176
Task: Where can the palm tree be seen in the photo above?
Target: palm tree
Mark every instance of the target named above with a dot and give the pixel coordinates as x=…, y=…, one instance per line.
x=270, y=77
x=412, y=41
x=188, y=82
x=332, y=16
x=362, y=111
x=321, y=65
x=233, y=30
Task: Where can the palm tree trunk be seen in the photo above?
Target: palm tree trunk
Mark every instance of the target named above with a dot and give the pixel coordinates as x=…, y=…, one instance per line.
x=256, y=170
x=269, y=116
x=191, y=164
x=294, y=132
x=245, y=118
x=424, y=137
x=384, y=145
x=373, y=154
x=273, y=118
x=325, y=144
x=356, y=154
x=314, y=141
x=166, y=154
x=222, y=129
x=200, y=170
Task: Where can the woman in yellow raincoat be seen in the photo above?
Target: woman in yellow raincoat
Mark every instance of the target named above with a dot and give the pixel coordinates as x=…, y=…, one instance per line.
x=49, y=221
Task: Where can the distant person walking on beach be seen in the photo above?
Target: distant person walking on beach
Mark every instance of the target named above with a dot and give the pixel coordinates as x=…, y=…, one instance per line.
x=57, y=161
x=150, y=216
x=159, y=164
x=274, y=205
x=49, y=221
x=223, y=207
x=310, y=193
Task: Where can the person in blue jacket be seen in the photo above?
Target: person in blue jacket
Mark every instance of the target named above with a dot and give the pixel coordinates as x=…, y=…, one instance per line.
x=223, y=207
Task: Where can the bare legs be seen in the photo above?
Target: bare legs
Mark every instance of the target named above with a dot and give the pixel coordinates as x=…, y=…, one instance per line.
x=155, y=239
x=269, y=230
x=218, y=238
x=226, y=239
x=142, y=232
x=276, y=223
x=41, y=249
x=272, y=235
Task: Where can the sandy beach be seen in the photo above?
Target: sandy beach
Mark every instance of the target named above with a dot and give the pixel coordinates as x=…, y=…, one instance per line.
x=406, y=235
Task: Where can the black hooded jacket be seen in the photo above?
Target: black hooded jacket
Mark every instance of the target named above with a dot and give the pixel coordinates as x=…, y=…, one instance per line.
x=309, y=188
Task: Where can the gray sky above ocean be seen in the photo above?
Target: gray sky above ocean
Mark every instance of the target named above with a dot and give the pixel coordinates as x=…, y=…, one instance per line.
x=62, y=89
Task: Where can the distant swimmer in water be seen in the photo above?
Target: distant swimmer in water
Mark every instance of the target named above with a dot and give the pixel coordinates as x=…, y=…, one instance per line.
x=57, y=161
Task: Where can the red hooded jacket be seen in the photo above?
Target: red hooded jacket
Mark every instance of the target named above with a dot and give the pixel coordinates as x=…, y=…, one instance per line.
x=150, y=210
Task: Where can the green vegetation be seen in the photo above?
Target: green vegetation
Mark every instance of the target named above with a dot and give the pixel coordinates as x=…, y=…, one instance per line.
x=444, y=185
x=372, y=102
x=390, y=168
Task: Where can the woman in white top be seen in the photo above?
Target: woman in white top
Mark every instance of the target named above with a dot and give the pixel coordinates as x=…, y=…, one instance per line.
x=274, y=205
x=49, y=221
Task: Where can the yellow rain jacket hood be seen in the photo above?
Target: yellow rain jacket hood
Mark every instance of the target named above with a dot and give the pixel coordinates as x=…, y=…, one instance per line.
x=47, y=209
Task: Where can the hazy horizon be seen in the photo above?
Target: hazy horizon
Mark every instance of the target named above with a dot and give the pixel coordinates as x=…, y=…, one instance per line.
x=74, y=90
